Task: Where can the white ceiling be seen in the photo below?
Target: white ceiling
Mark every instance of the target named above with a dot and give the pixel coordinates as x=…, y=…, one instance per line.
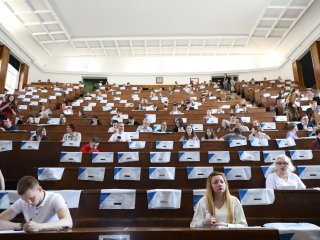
x=77, y=28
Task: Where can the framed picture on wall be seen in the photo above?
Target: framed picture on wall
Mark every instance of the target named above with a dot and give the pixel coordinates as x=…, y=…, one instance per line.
x=159, y=80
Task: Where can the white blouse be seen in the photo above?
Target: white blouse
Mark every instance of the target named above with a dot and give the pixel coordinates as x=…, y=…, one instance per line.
x=293, y=182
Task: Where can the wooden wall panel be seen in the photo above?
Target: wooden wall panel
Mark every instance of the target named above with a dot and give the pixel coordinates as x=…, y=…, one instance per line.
x=315, y=55
x=23, y=75
x=4, y=60
x=297, y=73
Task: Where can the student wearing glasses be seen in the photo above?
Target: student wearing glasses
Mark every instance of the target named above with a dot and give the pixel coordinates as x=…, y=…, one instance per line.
x=281, y=175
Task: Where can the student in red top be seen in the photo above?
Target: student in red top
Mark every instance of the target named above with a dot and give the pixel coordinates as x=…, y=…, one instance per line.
x=92, y=146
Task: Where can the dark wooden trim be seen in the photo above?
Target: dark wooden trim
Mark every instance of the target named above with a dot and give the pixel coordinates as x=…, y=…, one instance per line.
x=23, y=75
x=297, y=73
x=4, y=61
x=315, y=55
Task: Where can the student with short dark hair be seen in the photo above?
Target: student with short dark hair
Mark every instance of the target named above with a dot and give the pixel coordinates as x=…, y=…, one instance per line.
x=92, y=146
x=41, y=210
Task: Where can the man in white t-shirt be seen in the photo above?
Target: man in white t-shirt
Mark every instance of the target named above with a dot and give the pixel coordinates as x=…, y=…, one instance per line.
x=41, y=210
x=120, y=135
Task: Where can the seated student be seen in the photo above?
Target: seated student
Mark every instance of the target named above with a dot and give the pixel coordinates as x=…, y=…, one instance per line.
x=281, y=175
x=30, y=120
x=164, y=128
x=42, y=210
x=220, y=110
x=304, y=124
x=236, y=135
x=114, y=126
x=292, y=131
x=175, y=109
x=209, y=135
x=2, y=182
x=118, y=116
x=63, y=120
x=131, y=121
x=41, y=135
x=140, y=107
x=8, y=126
x=82, y=114
x=45, y=113
x=237, y=108
x=145, y=127
x=95, y=121
x=225, y=126
x=120, y=135
x=72, y=135
x=257, y=134
x=188, y=106
x=92, y=146
x=218, y=208
x=232, y=118
x=315, y=144
x=189, y=134
x=239, y=124
x=179, y=126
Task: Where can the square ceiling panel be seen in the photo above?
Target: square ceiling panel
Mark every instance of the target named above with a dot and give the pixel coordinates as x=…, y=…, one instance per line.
x=282, y=3
x=53, y=27
x=45, y=17
x=37, y=4
x=292, y=13
x=123, y=43
x=196, y=42
x=79, y=44
x=153, y=43
x=182, y=42
x=272, y=13
x=36, y=28
x=138, y=43
x=284, y=24
x=108, y=44
x=260, y=33
x=212, y=42
x=300, y=3
x=94, y=44
x=167, y=43
x=266, y=23
x=42, y=38
x=59, y=36
x=277, y=33
x=226, y=42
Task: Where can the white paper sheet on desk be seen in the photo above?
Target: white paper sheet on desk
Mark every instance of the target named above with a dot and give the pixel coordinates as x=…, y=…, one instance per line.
x=189, y=156
x=127, y=173
x=164, y=198
x=76, y=104
x=88, y=98
x=123, y=101
x=266, y=95
x=71, y=144
x=301, y=154
x=219, y=156
x=154, y=98
x=110, y=104
x=152, y=117
x=19, y=97
x=37, y=120
x=74, y=157
x=164, y=145
x=160, y=157
x=116, y=98
x=281, y=118
x=102, y=157
x=266, y=170
x=245, y=119
x=118, y=93
x=87, y=108
x=134, y=96
x=106, y=108
x=68, y=111
x=117, y=199
x=22, y=107
x=91, y=173
x=134, y=88
x=286, y=142
x=197, y=195
x=156, y=127
x=7, y=198
x=30, y=145
x=268, y=126
x=258, y=196
x=52, y=97
x=270, y=155
x=33, y=103
x=5, y=146
x=53, y=121
x=197, y=127
x=164, y=99
x=309, y=171
x=128, y=157
x=237, y=143
x=27, y=99
x=296, y=231
x=212, y=120
x=134, y=135
x=238, y=173
x=191, y=144
x=225, y=106
x=249, y=155
x=259, y=142
x=137, y=144
x=103, y=101
x=50, y=173
x=71, y=197
x=199, y=172
x=162, y=173
x=92, y=104
x=129, y=104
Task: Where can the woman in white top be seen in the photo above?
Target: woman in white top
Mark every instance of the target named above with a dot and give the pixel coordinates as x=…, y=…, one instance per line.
x=218, y=208
x=257, y=134
x=71, y=135
x=145, y=126
x=281, y=175
x=189, y=134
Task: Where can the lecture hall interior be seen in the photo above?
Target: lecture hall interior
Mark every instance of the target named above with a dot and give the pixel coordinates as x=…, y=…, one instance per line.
x=163, y=120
